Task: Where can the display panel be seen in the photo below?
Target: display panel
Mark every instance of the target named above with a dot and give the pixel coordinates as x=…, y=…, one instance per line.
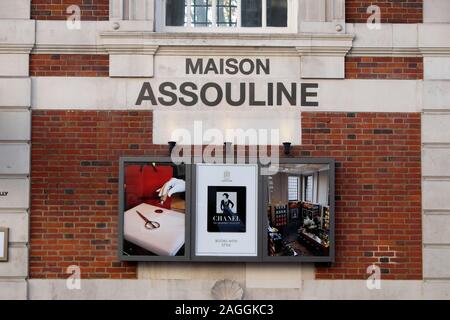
x=300, y=211
x=226, y=211
x=154, y=210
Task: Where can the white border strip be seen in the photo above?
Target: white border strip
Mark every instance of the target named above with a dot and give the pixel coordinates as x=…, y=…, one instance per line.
x=84, y=93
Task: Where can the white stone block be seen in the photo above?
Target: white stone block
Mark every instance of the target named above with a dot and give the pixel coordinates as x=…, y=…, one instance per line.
x=377, y=38
x=56, y=289
x=190, y=271
x=14, y=193
x=133, y=66
x=435, y=194
x=369, y=95
x=15, y=92
x=272, y=294
x=436, y=95
x=81, y=93
x=13, y=289
x=435, y=128
x=436, y=262
x=436, y=68
x=181, y=289
x=322, y=67
x=142, y=10
x=436, y=11
x=17, y=222
x=120, y=94
x=434, y=35
x=17, y=32
x=55, y=33
x=285, y=122
x=313, y=10
x=14, y=65
x=404, y=35
x=15, y=158
x=436, y=229
x=17, y=264
x=436, y=162
x=15, y=125
x=321, y=27
x=357, y=289
x=436, y=289
x=273, y=276
x=15, y=9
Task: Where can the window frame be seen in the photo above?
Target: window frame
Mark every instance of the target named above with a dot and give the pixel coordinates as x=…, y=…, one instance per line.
x=306, y=186
x=292, y=21
x=298, y=183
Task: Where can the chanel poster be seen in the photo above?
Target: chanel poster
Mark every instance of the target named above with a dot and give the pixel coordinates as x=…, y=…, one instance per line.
x=226, y=210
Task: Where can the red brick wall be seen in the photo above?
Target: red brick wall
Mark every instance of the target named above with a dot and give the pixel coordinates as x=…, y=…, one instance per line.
x=378, y=190
x=69, y=65
x=91, y=10
x=392, y=11
x=384, y=68
x=74, y=189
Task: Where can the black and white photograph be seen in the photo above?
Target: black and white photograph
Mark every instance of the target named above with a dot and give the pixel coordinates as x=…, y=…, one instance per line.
x=226, y=209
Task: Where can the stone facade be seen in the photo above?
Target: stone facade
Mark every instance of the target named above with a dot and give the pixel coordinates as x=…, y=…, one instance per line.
x=384, y=114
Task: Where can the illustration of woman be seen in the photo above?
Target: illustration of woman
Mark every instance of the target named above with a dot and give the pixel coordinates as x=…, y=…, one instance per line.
x=226, y=204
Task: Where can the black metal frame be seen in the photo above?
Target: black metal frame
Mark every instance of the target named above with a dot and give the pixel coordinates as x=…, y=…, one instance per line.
x=262, y=236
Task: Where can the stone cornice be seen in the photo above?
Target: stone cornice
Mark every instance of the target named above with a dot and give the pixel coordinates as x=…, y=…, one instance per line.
x=195, y=36
x=16, y=48
x=435, y=51
x=183, y=43
x=68, y=49
x=16, y=36
x=131, y=49
x=385, y=51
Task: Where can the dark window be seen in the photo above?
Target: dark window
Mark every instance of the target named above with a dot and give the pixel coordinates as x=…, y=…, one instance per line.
x=251, y=13
x=176, y=13
x=277, y=13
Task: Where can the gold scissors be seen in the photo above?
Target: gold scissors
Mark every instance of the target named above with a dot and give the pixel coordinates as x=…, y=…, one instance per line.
x=150, y=225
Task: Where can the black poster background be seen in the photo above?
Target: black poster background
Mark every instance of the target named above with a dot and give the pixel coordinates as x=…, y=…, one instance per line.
x=241, y=209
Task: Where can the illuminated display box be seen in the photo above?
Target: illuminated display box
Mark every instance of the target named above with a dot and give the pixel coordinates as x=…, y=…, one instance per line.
x=226, y=212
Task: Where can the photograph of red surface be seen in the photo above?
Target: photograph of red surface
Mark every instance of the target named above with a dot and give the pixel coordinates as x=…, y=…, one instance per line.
x=154, y=209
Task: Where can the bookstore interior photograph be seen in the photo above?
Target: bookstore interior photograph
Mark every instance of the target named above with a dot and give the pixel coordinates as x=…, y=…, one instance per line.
x=298, y=211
